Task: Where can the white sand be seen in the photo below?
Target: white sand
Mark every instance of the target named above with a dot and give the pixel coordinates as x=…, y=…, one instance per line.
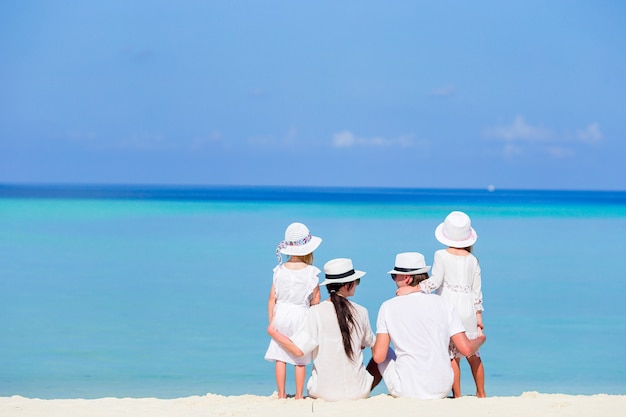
x=528, y=404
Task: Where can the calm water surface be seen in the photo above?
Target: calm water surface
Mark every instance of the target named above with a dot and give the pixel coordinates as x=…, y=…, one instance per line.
x=162, y=292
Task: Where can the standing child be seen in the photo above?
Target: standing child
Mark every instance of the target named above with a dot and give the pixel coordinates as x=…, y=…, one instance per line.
x=294, y=289
x=456, y=276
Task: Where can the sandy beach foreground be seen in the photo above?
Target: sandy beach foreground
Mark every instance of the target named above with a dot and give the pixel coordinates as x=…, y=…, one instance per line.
x=529, y=403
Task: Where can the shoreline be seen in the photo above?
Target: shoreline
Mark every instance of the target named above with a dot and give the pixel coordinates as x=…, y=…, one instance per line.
x=528, y=403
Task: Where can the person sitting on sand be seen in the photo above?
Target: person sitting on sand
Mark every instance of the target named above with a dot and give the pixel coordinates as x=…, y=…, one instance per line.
x=420, y=326
x=335, y=332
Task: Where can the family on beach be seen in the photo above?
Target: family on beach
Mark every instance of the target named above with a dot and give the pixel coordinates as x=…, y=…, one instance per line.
x=432, y=322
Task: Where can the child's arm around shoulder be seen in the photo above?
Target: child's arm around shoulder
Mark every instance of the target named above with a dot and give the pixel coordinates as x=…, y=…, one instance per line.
x=316, y=297
x=283, y=340
x=408, y=290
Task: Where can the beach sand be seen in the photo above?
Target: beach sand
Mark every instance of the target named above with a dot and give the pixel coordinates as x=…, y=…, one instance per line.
x=528, y=404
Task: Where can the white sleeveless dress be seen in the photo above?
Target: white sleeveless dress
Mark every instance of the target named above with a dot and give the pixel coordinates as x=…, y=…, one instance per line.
x=293, y=290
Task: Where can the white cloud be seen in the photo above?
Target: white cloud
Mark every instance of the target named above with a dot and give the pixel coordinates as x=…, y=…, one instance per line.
x=521, y=137
x=560, y=152
x=448, y=90
x=511, y=149
x=213, y=139
x=591, y=134
x=262, y=141
x=347, y=139
x=146, y=141
x=343, y=139
x=137, y=141
x=289, y=138
x=519, y=130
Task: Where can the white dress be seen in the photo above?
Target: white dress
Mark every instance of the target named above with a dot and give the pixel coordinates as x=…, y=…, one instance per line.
x=293, y=290
x=457, y=278
x=334, y=376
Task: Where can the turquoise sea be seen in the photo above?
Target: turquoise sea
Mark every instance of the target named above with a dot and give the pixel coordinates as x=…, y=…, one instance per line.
x=131, y=291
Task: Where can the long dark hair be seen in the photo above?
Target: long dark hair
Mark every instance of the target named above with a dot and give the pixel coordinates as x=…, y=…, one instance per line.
x=345, y=315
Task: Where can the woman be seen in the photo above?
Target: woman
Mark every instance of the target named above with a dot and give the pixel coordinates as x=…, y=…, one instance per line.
x=335, y=332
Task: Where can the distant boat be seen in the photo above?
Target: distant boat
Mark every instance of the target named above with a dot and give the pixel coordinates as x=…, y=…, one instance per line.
x=491, y=188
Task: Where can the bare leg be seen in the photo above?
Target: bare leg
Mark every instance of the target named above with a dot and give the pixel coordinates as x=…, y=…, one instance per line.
x=281, y=375
x=300, y=377
x=478, y=371
x=456, y=385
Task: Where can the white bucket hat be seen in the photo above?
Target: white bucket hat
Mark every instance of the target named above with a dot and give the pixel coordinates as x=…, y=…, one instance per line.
x=298, y=241
x=456, y=231
x=339, y=271
x=410, y=263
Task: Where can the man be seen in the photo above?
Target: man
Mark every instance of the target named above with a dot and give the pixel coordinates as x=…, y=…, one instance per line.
x=420, y=326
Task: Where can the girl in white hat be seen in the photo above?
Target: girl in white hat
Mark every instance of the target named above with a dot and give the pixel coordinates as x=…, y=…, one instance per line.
x=456, y=276
x=336, y=331
x=294, y=289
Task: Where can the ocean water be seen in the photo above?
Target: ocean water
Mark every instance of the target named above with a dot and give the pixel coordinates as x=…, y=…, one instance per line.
x=162, y=291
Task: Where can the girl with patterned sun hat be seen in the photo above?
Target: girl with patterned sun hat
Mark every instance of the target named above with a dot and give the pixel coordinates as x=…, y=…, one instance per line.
x=294, y=289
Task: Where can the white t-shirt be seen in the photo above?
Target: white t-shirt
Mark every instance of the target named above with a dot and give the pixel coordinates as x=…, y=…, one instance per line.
x=419, y=326
x=334, y=376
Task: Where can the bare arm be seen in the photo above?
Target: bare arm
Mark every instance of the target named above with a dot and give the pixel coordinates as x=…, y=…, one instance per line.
x=316, y=296
x=271, y=302
x=380, y=348
x=467, y=347
x=283, y=340
x=408, y=290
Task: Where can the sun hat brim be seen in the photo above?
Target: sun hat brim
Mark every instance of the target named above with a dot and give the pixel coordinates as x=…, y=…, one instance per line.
x=357, y=274
x=455, y=243
x=412, y=272
x=301, y=250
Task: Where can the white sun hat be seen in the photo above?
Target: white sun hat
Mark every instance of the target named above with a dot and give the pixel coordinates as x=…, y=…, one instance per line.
x=456, y=231
x=410, y=263
x=340, y=270
x=298, y=241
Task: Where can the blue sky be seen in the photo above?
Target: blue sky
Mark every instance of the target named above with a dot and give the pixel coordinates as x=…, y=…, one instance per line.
x=452, y=94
